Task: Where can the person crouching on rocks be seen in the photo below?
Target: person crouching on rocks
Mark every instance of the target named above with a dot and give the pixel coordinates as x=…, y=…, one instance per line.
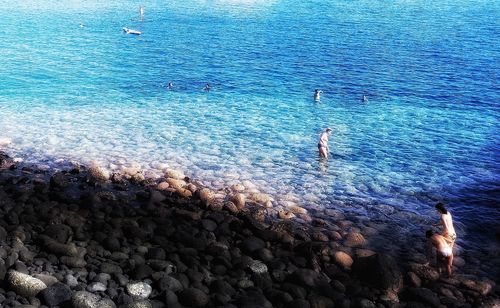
x=444, y=253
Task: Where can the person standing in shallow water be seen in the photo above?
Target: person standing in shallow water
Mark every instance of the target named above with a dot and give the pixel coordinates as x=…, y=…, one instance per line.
x=317, y=94
x=446, y=221
x=444, y=253
x=141, y=13
x=323, y=143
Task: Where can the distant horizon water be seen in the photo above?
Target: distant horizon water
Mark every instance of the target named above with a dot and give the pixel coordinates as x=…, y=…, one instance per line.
x=428, y=133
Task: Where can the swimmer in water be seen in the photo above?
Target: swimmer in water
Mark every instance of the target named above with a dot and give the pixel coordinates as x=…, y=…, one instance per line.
x=364, y=99
x=207, y=87
x=317, y=94
x=444, y=253
x=323, y=143
x=446, y=222
x=170, y=85
x=141, y=13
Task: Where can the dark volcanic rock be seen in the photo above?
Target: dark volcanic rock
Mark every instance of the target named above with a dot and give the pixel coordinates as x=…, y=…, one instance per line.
x=55, y=295
x=111, y=243
x=423, y=295
x=252, y=244
x=194, y=297
x=5, y=161
x=305, y=277
x=59, y=180
x=60, y=233
x=380, y=271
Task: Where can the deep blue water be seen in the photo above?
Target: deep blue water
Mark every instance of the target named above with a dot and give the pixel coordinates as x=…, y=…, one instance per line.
x=429, y=132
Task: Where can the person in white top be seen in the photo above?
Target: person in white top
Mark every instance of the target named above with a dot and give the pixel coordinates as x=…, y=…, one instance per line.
x=448, y=231
x=317, y=94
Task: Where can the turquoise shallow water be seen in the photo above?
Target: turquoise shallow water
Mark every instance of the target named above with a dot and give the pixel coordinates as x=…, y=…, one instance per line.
x=428, y=133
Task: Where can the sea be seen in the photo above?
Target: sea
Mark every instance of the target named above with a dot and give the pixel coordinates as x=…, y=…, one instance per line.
x=75, y=87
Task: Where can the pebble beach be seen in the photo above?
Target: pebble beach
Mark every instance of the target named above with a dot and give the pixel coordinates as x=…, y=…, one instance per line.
x=84, y=237
x=164, y=154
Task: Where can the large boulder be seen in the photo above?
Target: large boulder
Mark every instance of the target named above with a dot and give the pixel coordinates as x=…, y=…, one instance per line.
x=379, y=271
x=23, y=284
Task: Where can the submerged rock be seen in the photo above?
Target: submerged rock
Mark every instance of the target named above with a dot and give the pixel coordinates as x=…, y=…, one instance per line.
x=175, y=174
x=261, y=198
x=354, y=239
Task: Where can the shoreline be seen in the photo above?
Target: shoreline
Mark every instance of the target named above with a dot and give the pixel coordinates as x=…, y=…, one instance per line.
x=394, y=227
x=315, y=261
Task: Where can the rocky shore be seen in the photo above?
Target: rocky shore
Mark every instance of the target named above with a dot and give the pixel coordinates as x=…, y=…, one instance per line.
x=85, y=238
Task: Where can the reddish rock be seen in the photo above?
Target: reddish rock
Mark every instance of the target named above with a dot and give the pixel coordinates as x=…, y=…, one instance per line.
x=343, y=259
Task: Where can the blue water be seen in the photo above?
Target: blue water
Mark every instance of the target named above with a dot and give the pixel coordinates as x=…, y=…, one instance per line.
x=429, y=132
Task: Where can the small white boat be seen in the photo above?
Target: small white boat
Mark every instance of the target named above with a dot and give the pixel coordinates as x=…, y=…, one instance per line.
x=131, y=31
